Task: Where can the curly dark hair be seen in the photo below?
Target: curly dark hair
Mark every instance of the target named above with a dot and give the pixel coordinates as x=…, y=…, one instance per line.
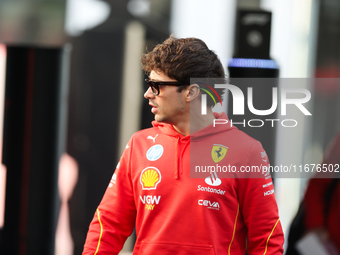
x=182, y=59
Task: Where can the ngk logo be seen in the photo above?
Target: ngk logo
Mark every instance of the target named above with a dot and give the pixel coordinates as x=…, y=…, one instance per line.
x=209, y=204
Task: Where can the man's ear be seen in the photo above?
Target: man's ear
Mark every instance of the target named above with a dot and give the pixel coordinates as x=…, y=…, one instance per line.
x=194, y=92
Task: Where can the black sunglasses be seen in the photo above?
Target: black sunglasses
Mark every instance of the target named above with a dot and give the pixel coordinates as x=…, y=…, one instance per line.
x=155, y=85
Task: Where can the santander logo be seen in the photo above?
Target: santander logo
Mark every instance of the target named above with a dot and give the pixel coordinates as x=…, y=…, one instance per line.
x=213, y=180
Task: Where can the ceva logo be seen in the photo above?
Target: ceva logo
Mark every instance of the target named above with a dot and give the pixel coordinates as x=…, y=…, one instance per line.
x=209, y=204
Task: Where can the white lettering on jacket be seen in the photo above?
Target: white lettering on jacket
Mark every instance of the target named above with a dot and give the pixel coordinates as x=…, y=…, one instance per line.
x=150, y=200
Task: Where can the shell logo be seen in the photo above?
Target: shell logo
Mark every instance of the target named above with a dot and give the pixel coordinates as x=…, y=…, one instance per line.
x=149, y=178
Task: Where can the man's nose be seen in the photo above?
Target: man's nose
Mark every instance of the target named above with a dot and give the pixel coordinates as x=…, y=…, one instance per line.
x=149, y=94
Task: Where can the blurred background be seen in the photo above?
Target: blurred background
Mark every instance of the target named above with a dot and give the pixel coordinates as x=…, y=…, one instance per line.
x=71, y=95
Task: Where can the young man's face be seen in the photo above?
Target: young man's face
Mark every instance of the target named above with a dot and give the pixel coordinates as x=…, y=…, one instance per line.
x=169, y=106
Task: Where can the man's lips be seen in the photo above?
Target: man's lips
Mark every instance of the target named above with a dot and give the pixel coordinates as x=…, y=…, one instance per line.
x=154, y=108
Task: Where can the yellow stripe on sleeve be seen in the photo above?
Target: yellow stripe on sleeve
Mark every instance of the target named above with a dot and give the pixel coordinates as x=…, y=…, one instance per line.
x=265, y=251
x=232, y=239
x=101, y=231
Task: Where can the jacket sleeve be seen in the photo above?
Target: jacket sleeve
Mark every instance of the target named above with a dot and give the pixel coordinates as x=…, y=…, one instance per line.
x=258, y=206
x=114, y=218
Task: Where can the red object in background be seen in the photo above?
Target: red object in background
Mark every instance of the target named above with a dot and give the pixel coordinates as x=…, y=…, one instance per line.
x=315, y=202
x=327, y=87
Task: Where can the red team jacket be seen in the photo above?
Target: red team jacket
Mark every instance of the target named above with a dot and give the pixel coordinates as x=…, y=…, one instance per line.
x=151, y=190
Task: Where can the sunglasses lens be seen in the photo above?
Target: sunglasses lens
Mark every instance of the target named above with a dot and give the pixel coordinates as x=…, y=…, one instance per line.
x=154, y=87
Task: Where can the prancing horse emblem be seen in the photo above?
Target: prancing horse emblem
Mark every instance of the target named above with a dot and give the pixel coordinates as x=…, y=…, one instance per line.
x=218, y=152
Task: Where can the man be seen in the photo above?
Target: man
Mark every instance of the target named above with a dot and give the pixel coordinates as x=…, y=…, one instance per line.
x=151, y=188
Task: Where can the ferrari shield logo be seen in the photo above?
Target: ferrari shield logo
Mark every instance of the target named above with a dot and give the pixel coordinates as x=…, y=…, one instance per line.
x=218, y=152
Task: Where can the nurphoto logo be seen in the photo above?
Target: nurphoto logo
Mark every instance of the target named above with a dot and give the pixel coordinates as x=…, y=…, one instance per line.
x=297, y=97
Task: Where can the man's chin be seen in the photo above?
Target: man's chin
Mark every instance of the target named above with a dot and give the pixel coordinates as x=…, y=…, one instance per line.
x=159, y=118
